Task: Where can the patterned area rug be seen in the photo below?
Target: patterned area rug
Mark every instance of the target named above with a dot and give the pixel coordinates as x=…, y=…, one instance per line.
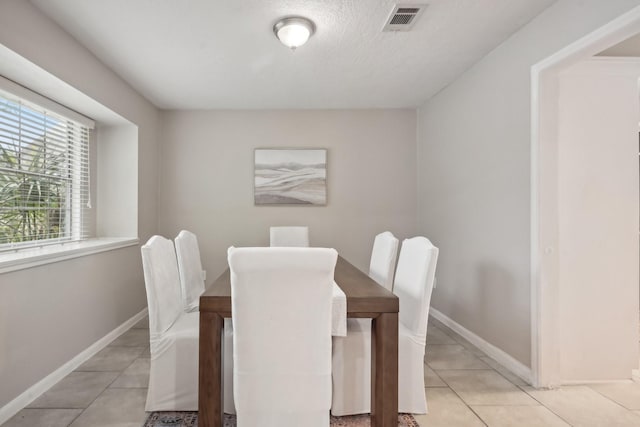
x=190, y=419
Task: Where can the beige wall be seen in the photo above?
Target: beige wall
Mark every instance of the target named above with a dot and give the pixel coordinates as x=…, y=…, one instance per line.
x=598, y=220
x=117, y=179
x=49, y=314
x=206, y=178
x=474, y=177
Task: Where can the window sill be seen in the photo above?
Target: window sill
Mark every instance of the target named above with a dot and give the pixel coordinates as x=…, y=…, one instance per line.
x=29, y=258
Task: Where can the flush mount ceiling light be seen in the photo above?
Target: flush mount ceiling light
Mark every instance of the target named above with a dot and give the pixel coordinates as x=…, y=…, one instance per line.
x=294, y=31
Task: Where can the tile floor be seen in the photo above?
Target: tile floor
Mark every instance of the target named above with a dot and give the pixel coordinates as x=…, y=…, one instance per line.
x=464, y=387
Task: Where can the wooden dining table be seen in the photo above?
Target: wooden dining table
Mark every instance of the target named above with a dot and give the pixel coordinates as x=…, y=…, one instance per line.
x=365, y=299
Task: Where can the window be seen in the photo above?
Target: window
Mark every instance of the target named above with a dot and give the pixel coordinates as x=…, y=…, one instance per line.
x=44, y=175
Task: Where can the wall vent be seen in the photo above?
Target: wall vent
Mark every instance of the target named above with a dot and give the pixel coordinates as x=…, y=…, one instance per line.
x=403, y=17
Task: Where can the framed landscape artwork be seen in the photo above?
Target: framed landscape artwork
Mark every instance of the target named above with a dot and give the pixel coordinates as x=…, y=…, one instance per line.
x=290, y=177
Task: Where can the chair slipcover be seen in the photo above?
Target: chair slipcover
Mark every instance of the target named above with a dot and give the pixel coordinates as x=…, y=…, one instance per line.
x=358, y=361
x=383, y=259
x=173, y=334
x=352, y=354
x=190, y=267
x=281, y=309
x=173, y=379
x=192, y=286
x=289, y=236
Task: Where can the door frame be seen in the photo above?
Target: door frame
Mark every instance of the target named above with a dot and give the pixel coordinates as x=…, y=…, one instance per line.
x=545, y=348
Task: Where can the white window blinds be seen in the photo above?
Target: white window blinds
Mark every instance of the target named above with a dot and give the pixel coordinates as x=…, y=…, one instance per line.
x=44, y=175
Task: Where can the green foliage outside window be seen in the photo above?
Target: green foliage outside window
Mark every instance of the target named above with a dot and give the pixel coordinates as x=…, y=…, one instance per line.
x=33, y=185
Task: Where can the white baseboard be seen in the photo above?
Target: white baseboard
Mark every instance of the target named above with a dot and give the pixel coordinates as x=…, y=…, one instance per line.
x=33, y=392
x=489, y=349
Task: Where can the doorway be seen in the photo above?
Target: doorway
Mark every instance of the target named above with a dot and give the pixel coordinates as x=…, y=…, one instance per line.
x=546, y=227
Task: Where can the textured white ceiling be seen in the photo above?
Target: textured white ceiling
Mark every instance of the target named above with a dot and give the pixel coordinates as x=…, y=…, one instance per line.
x=204, y=54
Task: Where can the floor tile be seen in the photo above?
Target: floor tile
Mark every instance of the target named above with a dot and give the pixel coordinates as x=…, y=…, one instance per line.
x=625, y=394
x=456, y=337
x=112, y=359
x=76, y=390
x=118, y=376
x=466, y=344
x=115, y=408
x=485, y=387
x=452, y=356
x=504, y=371
x=135, y=376
x=581, y=406
x=146, y=353
x=132, y=338
x=435, y=335
x=142, y=324
x=43, y=418
x=518, y=416
x=447, y=410
x=431, y=379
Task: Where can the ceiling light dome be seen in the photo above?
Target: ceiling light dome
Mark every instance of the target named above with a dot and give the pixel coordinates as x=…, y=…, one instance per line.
x=294, y=31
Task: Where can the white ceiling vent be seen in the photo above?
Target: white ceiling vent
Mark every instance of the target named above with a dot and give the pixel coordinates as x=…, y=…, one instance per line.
x=403, y=17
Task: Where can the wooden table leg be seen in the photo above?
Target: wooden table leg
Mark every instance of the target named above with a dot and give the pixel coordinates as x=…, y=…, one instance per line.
x=210, y=412
x=384, y=370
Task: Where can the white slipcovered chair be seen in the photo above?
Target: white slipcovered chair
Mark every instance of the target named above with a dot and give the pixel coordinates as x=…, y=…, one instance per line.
x=192, y=286
x=173, y=378
x=352, y=354
x=355, y=353
x=190, y=267
x=282, y=351
x=289, y=236
x=383, y=259
x=173, y=335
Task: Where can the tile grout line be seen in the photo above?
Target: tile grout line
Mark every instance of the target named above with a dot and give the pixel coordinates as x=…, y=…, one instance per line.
x=447, y=384
x=499, y=373
x=456, y=393
x=465, y=403
x=76, y=417
x=545, y=406
x=609, y=399
x=107, y=387
x=96, y=398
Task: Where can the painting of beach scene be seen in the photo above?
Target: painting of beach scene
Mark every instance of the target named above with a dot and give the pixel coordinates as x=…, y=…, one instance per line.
x=290, y=177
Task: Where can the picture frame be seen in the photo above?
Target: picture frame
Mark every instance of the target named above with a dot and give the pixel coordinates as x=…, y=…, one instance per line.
x=290, y=176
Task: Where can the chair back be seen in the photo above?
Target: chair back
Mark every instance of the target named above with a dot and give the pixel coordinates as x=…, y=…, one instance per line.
x=289, y=236
x=414, y=282
x=190, y=268
x=383, y=259
x=162, y=283
x=281, y=309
